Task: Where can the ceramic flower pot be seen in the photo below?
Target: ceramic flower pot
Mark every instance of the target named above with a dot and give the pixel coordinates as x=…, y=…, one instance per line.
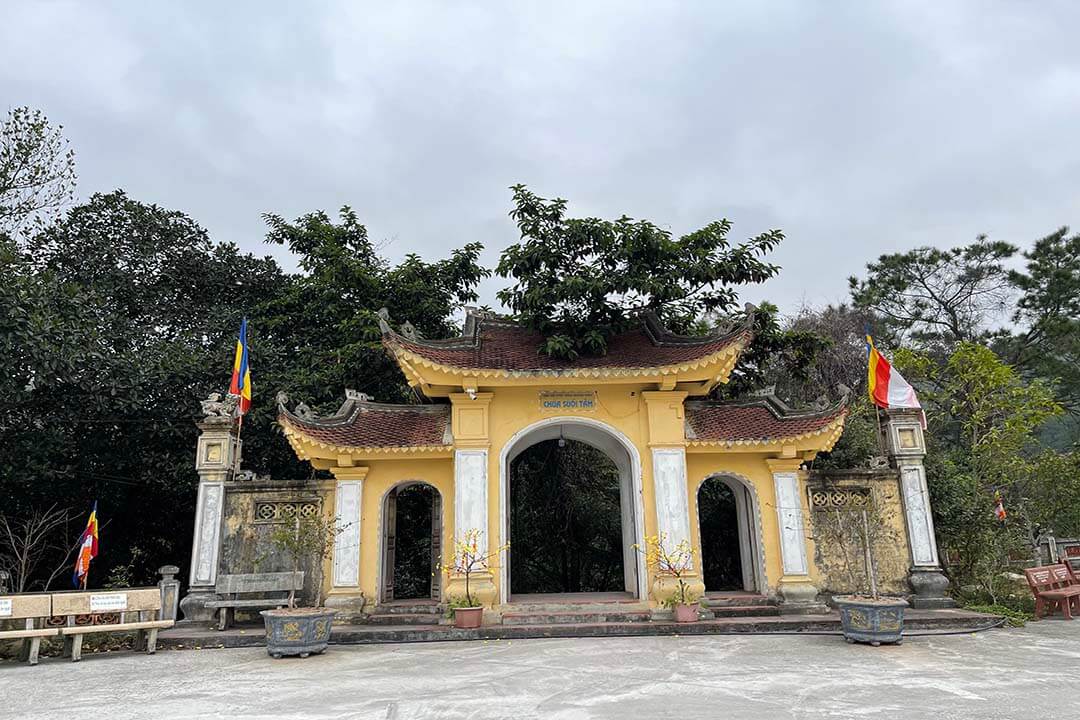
x=468, y=618
x=871, y=621
x=297, y=631
x=685, y=613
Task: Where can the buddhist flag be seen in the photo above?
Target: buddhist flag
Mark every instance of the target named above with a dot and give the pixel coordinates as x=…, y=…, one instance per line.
x=88, y=549
x=887, y=387
x=999, y=507
x=241, y=374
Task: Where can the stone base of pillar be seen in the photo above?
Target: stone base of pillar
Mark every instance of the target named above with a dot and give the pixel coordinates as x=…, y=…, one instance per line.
x=800, y=597
x=349, y=606
x=929, y=586
x=193, y=606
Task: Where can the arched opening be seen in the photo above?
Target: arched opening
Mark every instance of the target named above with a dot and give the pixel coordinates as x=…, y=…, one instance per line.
x=565, y=520
x=571, y=510
x=412, y=537
x=727, y=534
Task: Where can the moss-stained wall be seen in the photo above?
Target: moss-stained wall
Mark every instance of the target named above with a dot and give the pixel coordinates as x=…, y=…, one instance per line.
x=254, y=509
x=836, y=500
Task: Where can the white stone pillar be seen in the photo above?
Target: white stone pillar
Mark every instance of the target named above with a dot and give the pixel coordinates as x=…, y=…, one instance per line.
x=217, y=456
x=346, y=558
x=471, y=492
x=798, y=593
x=789, y=515
x=907, y=447
x=672, y=504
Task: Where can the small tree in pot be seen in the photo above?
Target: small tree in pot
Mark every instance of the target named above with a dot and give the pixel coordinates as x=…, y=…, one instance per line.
x=469, y=558
x=302, y=630
x=865, y=615
x=674, y=563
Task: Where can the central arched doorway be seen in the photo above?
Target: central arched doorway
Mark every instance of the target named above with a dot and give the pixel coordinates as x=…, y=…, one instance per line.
x=545, y=452
x=727, y=535
x=411, y=543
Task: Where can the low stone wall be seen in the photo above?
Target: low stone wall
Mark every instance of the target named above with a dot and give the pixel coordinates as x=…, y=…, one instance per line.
x=253, y=511
x=836, y=499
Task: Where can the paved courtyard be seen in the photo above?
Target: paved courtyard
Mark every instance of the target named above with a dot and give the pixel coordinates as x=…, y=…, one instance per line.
x=1032, y=672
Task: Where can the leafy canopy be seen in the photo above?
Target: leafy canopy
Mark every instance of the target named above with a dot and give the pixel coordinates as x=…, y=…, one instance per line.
x=579, y=281
x=37, y=170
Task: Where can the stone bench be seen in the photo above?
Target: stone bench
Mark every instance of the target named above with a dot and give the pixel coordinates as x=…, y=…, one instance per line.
x=32, y=612
x=139, y=609
x=235, y=591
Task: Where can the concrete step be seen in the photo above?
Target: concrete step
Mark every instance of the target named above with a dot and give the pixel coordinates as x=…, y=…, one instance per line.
x=403, y=619
x=727, y=611
x=575, y=617
x=407, y=607
x=734, y=599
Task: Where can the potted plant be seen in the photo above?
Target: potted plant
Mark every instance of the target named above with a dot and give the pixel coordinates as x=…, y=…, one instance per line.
x=469, y=558
x=674, y=563
x=302, y=630
x=866, y=616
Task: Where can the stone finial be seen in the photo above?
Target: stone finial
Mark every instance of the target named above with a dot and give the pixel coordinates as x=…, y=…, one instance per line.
x=351, y=394
x=409, y=331
x=384, y=321
x=282, y=399
x=304, y=411
x=214, y=406
x=168, y=571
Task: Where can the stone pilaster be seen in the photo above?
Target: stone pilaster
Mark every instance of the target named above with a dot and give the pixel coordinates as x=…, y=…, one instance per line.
x=217, y=458
x=345, y=595
x=797, y=592
x=469, y=424
x=907, y=448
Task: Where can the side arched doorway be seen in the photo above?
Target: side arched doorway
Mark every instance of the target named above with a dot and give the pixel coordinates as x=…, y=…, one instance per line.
x=570, y=490
x=727, y=532
x=411, y=543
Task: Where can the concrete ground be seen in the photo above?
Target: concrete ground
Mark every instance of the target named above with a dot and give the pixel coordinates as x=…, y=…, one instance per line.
x=1033, y=672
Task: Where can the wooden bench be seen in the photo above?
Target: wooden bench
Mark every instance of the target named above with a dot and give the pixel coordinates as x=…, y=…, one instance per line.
x=1053, y=585
x=273, y=589
x=139, y=610
x=33, y=611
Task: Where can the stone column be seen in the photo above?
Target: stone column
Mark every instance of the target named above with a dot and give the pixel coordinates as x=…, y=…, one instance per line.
x=345, y=594
x=216, y=460
x=469, y=425
x=667, y=439
x=170, y=591
x=797, y=592
x=907, y=448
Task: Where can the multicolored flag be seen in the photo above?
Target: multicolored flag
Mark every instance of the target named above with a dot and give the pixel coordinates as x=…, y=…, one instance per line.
x=241, y=375
x=88, y=549
x=999, y=507
x=887, y=387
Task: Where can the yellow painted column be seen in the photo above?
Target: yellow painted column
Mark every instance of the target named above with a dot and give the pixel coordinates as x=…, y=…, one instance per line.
x=345, y=594
x=796, y=588
x=671, y=493
x=473, y=496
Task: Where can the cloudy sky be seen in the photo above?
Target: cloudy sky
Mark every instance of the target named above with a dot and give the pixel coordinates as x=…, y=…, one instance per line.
x=857, y=127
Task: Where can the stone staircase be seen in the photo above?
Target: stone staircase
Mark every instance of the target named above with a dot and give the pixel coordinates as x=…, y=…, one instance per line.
x=738, y=604
x=583, y=613
x=407, y=612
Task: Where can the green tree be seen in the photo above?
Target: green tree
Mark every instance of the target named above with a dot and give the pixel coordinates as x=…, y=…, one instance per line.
x=37, y=170
x=937, y=297
x=579, y=281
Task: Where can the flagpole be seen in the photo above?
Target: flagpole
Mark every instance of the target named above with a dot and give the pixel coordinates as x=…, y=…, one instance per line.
x=880, y=438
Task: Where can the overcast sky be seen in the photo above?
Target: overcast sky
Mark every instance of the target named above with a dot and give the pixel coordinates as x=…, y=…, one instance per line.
x=857, y=127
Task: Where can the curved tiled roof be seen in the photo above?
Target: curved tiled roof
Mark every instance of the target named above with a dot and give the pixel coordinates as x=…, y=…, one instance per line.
x=360, y=423
x=494, y=343
x=757, y=421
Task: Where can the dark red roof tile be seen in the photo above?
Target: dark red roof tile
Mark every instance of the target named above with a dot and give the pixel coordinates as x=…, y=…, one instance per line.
x=367, y=424
x=759, y=420
x=498, y=344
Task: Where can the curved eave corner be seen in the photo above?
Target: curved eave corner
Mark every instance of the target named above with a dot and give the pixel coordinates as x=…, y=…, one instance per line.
x=310, y=448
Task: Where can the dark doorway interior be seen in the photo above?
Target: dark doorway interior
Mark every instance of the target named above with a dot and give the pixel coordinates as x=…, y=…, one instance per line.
x=412, y=516
x=565, y=520
x=718, y=516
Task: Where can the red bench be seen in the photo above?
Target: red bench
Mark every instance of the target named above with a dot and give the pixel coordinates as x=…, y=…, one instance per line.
x=1054, y=585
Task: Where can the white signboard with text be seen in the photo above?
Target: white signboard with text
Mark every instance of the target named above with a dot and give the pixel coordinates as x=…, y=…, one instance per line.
x=108, y=602
x=5, y=607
